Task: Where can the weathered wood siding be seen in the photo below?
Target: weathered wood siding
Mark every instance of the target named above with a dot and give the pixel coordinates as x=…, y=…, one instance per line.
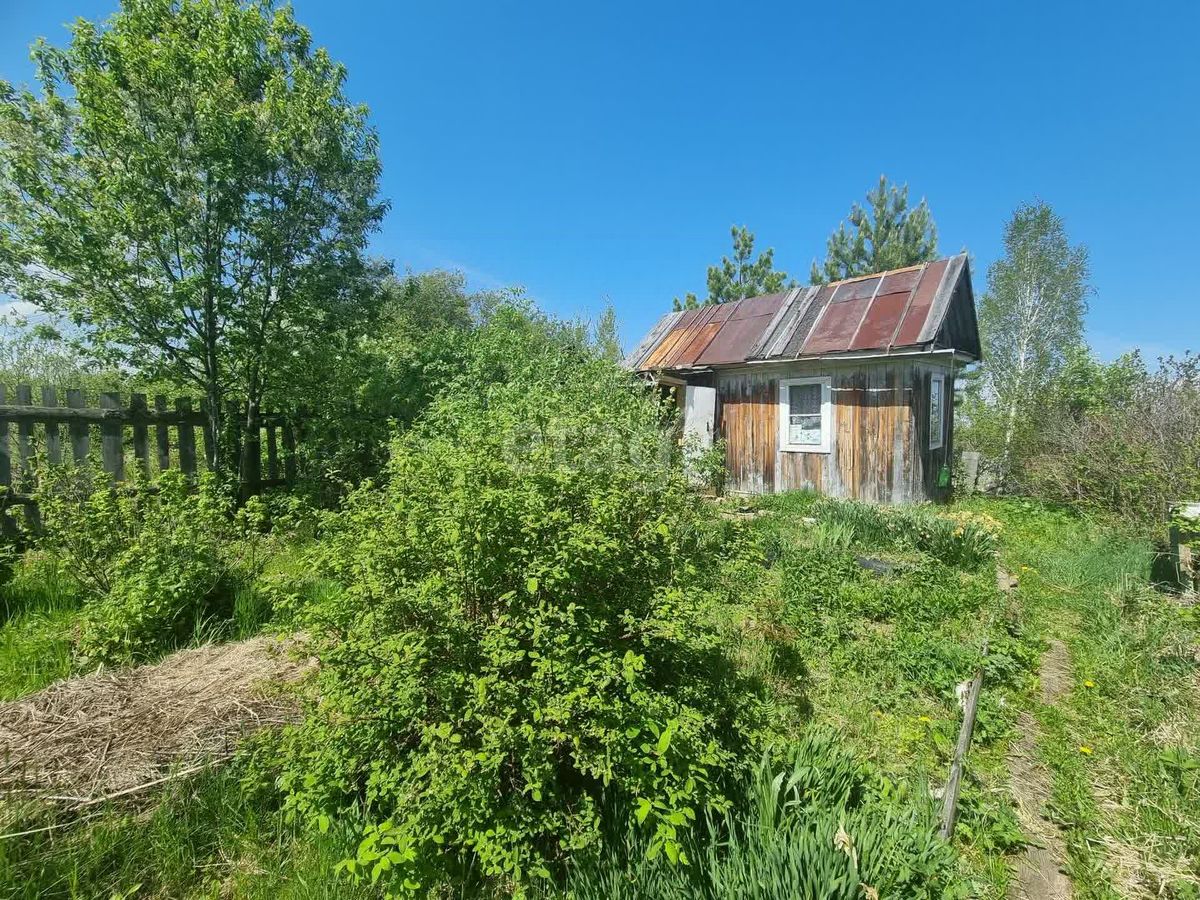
x=748, y=421
x=879, y=447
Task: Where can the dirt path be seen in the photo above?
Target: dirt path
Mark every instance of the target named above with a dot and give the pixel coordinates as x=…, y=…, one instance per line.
x=1039, y=874
x=84, y=739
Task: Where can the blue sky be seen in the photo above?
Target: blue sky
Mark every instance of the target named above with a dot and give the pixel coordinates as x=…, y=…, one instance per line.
x=600, y=152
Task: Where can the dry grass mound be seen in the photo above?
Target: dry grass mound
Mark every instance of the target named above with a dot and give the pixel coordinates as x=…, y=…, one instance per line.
x=113, y=733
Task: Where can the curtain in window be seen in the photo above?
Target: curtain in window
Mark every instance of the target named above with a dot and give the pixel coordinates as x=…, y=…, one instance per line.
x=804, y=414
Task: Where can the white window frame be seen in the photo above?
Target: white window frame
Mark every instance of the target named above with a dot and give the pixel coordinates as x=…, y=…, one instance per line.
x=785, y=385
x=936, y=439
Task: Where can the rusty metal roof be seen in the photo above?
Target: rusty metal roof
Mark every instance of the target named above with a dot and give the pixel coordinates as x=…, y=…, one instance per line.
x=904, y=309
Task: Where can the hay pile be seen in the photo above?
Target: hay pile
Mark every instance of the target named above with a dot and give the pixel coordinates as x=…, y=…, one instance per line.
x=111, y=733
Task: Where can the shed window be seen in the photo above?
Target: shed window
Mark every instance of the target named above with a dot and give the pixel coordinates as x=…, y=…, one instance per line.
x=937, y=410
x=805, y=414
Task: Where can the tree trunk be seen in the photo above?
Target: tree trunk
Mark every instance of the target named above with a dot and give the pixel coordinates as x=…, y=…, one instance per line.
x=250, y=474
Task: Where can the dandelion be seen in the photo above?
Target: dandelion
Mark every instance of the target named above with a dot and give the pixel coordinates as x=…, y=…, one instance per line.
x=1089, y=684
x=1085, y=750
x=924, y=719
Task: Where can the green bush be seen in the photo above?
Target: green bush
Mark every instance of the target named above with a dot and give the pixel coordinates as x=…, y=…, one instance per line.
x=827, y=827
x=525, y=635
x=968, y=542
x=151, y=563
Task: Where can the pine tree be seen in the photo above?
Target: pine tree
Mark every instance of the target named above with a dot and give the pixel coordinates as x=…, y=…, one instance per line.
x=740, y=276
x=888, y=235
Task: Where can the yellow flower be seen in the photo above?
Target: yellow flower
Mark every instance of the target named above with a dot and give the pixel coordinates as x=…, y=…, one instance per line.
x=1089, y=683
x=924, y=719
x=1085, y=750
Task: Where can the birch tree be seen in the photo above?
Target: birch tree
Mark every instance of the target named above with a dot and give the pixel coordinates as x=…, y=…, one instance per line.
x=192, y=188
x=1031, y=322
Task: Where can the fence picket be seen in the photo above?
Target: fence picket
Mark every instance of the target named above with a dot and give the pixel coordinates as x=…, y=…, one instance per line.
x=79, y=431
x=289, y=452
x=25, y=439
x=53, y=442
x=272, y=454
x=112, y=449
x=5, y=452
x=141, y=438
x=187, y=439
x=162, y=434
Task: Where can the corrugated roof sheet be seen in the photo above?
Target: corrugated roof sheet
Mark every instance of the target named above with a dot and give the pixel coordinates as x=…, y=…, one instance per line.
x=886, y=311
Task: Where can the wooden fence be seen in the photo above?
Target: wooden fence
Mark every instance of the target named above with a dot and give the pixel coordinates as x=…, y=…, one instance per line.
x=124, y=434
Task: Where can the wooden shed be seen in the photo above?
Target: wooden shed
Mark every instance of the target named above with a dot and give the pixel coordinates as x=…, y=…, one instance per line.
x=846, y=388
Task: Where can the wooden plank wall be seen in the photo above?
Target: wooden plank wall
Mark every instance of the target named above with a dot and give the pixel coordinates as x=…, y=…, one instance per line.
x=748, y=422
x=879, y=451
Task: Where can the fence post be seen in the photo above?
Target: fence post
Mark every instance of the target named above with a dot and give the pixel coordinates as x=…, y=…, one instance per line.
x=187, y=437
x=24, y=438
x=80, y=435
x=5, y=453
x=289, y=452
x=251, y=467
x=53, y=444
x=141, y=438
x=162, y=434
x=112, y=450
x=272, y=454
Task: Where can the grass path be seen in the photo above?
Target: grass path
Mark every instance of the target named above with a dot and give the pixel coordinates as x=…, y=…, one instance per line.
x=1122, y=742
x=1039, y=870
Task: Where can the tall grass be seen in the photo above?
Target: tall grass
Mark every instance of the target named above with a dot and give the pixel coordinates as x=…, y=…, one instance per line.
x=818, y=828
x=204, y=837
x=38, y=608
x=1123, y=744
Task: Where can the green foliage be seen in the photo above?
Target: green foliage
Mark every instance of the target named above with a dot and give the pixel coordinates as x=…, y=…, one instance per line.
x=742, y=276
x=706, y=465
x=368, y=381
x=1125, y=442
x=826, y=826
x=1126, y=726
x=888, y=236
x=1031, y=327
x=203, y=837
x=525, y=628
x=193, y=190
x=964, y=542
x=38, y=612
x=150, y=564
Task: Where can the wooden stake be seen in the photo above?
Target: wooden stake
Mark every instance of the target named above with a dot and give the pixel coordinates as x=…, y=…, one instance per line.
x=954, y=783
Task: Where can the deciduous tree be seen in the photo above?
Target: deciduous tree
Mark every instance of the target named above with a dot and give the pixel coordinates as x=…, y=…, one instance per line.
x=194, y=190
x=1031, y=321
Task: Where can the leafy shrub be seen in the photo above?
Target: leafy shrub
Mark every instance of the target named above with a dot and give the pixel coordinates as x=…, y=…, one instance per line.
x=827, y=826
x=525, y=633
x=1120, y=439
x=706, y=465
x=960, y=539
x=150, y=562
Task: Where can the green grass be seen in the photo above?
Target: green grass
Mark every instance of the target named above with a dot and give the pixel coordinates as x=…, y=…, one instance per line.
x=38, y=609
x=1127, y=801
x=876, y=657
x=203, y=837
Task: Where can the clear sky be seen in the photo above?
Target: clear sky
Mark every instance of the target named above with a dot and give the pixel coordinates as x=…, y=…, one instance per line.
x=600, y=152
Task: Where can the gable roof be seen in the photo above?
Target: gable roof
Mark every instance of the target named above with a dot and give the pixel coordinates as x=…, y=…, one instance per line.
x=920, y=308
